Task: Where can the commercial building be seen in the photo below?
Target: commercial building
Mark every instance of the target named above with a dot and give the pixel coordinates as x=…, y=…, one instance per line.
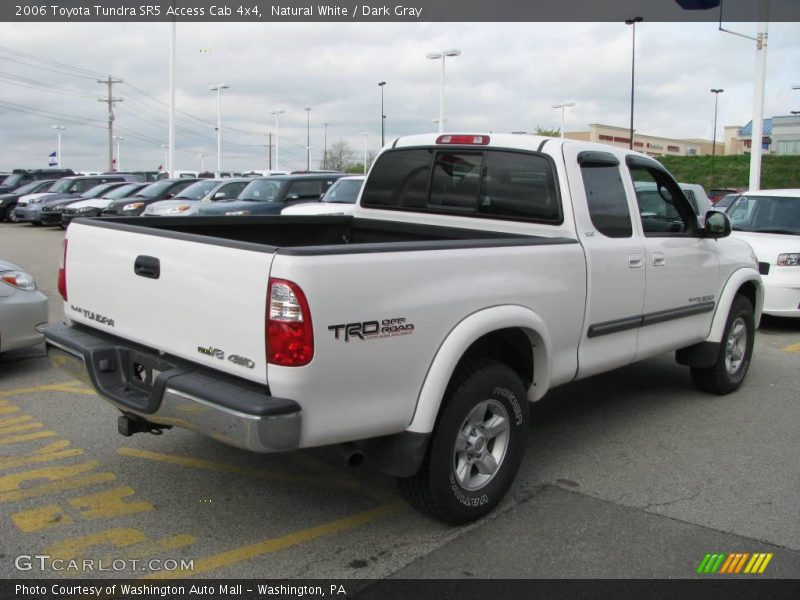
x=648, y=144
x=781, y=136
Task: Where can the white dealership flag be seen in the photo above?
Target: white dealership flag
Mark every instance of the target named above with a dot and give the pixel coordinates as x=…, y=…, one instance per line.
x=53, y=160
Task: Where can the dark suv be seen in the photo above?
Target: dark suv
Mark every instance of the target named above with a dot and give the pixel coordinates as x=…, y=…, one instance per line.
x=20, y=177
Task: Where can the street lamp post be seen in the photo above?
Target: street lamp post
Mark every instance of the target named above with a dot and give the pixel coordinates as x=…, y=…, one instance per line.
x=59, y=129
x=165, y=147
x=218, y=88
x=365, y=134
x=716, y=93
x=563, y=106
x=202, y=156
x=325, y=148
x=633, y=22
x=119, y=139
x=437, y=56
x=308, y=138
x=276, y=113
x=381, y=85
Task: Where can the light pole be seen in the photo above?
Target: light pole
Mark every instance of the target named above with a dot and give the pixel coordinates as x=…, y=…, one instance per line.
x=325, y=149
x=166, y=159
x=59, y=129
x=202, y=156
x=365, y=134
x=633, y=22
x=716, y=93
x=276, y=113
x=119, y=139
x=437, y=56
x=381, y=85
x=308, y=138
x=218, y=88
x=563, y=106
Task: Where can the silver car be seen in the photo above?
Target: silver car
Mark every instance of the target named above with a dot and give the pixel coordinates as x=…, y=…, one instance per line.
x=186, y=203
x=23, y=309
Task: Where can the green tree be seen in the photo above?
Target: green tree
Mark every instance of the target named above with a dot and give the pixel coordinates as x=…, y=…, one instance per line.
x=547, y=132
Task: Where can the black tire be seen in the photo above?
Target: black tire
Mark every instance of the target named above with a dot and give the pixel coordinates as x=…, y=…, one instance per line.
x=491, y=389
x=10, y=215
x=733, y=358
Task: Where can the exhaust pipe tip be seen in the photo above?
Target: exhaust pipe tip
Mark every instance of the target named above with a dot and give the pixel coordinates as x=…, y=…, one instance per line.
x=353, y=455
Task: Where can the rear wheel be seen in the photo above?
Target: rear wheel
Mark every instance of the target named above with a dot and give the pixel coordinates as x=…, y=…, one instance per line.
x=735, y=351
x=476, y=447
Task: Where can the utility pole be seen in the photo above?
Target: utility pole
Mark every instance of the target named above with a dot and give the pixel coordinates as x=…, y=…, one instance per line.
x=308, y=138
x=110, y=101
x=325, y=149
x=270, y=150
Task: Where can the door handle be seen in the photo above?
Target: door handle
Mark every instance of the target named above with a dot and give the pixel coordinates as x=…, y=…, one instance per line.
x=635, y=261
x=658, y=259
x=147, y=266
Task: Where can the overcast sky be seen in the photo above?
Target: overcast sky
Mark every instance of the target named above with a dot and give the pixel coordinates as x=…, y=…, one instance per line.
x=506, y=79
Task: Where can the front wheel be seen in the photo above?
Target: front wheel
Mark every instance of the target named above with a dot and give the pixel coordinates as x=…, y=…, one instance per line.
x=11, y=215
x=476, y=447
x=735, y=351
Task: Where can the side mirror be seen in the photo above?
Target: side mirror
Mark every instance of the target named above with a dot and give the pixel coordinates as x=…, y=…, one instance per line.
x=220, y=195
x=293, y=197
x=717, y=225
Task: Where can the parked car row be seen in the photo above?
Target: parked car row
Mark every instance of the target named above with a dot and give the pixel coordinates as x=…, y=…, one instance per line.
x=59, y=202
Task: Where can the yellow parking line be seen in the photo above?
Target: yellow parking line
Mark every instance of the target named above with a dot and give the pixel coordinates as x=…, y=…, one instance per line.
x=56, y=486
x=197, y=463
x=792, y=348
x=237, y=555
x=26, y=437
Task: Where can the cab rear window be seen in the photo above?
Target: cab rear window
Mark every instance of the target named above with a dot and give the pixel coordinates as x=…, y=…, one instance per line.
x=499, y=184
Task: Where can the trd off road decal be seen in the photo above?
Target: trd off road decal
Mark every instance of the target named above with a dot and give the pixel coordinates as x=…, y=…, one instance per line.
x=372, y=330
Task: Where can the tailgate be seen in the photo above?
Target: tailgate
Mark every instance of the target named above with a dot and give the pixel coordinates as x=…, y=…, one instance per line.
x=191, y=298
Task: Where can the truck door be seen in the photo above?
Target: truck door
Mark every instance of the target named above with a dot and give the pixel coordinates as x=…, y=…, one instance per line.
x=681, y=268
x=614, y=260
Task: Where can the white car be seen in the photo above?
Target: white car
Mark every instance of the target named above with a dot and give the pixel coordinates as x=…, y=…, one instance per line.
x=769, y=220
x=340, y=199
x=186, y=203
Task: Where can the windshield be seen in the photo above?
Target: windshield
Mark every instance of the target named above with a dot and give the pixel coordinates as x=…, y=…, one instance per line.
x=28, y=188
x=155, y=189
x=97, y=190
x=197, y=190
x=12, y=179
x=261, y=190
x=344, y=191
x=122, y=191
x=62, y=185
x=765, y=214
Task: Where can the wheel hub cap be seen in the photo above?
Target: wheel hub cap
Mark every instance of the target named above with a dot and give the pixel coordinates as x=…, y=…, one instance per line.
x=735, y=346
x=481, y=445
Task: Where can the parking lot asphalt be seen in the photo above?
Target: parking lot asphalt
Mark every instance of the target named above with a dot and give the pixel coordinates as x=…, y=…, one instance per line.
x=632, y=473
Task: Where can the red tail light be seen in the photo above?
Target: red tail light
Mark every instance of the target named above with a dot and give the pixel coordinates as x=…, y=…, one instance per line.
x=290, y=336
x=62, y=274
x=469, y=140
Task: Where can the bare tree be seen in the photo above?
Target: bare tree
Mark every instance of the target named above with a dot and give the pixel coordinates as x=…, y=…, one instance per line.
x=339, y=156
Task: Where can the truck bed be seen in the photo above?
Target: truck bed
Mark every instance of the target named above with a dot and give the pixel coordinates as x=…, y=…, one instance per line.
x=301, y=235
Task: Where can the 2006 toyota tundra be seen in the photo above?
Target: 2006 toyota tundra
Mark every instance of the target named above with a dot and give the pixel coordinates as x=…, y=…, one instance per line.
x=477, y=273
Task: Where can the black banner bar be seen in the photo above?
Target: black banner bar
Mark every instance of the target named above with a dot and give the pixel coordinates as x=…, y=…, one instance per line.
x=393, y=11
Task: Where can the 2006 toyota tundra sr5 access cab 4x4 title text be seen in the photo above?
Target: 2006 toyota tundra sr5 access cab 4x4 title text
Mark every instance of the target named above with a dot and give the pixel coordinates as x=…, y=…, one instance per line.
x=476, y=273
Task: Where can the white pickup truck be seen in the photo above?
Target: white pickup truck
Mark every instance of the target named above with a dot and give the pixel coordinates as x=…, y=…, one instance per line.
x=476, y=273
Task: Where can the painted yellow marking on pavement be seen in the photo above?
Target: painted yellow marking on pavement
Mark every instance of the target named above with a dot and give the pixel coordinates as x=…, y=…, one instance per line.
x=7, y=421
x=127, y=542
x=37, y=519
x=14, y=481
x=18, y=428
x=109, y=504
x=118, y=537
x=196, y=463
x=53, y=447
x=56, y=487
x=58, y=387
x=22, y=461
x=7, y=409
x=237, y=555
x=792, y=348
x=26, y=437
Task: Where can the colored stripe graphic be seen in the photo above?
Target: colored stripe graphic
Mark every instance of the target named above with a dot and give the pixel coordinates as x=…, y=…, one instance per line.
x=734, y=563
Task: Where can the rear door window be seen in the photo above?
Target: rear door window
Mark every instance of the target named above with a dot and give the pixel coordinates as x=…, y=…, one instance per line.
x=489, y=183
x=304, y=190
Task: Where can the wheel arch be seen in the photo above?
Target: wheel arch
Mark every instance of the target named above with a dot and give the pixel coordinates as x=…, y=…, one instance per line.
x=746, y=282
x=514, y=335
